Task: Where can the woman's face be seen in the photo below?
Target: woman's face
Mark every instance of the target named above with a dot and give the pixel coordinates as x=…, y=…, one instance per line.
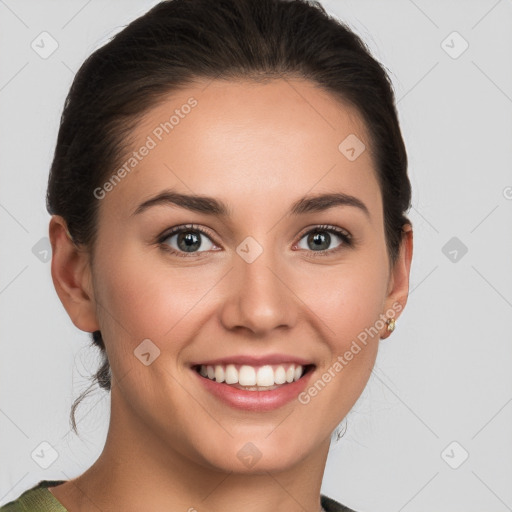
x=258, y=287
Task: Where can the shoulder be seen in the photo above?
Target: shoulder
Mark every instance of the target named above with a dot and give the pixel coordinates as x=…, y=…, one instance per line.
x=36, y=499
x=331, y=505
x=39, y=499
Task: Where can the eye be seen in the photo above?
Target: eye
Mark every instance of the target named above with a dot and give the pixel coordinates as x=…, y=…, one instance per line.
x=319, y=239
x=186, y=240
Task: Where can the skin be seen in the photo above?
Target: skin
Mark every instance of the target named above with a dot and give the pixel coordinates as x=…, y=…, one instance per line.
x=258, y=147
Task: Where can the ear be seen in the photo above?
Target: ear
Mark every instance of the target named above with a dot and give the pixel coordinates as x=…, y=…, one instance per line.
x=398, y=289
x=71, y=274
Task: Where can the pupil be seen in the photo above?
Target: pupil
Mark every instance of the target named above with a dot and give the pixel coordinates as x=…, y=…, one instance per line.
x=191, y=241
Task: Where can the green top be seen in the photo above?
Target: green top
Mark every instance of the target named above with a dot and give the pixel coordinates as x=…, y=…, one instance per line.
x=36, y=499
x=40, y=499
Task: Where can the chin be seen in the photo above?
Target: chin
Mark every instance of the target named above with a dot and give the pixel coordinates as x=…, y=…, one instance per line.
x=256, y=456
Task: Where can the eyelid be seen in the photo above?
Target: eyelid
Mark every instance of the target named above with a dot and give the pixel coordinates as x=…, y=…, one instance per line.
x=184, y=227
x=324, y=227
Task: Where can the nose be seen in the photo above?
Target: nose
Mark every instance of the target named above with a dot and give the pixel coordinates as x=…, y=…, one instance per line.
x=260, y=297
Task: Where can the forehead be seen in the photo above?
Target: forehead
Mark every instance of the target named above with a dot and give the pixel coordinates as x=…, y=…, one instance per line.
x=272, y=141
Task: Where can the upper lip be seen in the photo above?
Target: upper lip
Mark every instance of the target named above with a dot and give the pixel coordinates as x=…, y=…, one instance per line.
x=252, y=360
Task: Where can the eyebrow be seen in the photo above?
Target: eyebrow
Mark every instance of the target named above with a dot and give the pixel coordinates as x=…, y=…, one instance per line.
x=215, y=207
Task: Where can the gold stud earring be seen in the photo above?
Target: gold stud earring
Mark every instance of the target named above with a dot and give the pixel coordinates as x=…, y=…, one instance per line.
x=391, y=324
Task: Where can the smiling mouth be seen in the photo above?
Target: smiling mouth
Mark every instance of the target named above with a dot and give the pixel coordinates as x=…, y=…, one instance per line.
x=254, y=378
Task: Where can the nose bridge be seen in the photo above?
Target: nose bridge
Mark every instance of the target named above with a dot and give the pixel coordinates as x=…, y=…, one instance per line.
x=258, y=298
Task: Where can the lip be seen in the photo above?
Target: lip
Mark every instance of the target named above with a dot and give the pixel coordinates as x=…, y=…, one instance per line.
x=252, y=360
x=255, y=401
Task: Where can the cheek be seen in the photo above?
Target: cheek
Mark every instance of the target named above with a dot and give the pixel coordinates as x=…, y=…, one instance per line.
x=154, y=301
x=148, y=302
x=348, y=304
x=346, y=300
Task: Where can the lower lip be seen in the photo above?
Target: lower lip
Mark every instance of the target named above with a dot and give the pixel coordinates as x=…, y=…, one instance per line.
x=255, y=400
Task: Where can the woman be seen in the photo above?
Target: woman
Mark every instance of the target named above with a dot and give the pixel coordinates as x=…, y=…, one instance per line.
x=228, y=198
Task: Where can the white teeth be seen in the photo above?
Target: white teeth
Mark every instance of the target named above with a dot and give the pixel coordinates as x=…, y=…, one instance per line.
x=266, y=376
x=247, y=376
x=231, y=374
x=219, y=373
x=280, y=375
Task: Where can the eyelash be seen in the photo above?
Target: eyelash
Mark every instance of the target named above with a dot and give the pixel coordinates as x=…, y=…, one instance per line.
x=345, y=236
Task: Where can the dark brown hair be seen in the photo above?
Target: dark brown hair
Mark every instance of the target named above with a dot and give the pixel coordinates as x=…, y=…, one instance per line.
x=178, y=41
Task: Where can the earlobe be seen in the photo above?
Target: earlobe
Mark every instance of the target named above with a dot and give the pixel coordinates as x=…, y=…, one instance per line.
x=399, y=281
x=71, y=276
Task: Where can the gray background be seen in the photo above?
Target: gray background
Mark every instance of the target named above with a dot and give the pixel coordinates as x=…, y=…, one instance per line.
x=442, y=377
